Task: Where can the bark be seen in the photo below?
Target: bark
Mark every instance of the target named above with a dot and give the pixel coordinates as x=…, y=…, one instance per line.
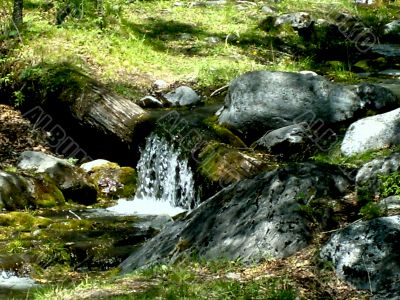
x=82, y=115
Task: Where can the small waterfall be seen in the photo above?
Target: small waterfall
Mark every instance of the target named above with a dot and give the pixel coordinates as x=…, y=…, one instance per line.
x=164, y=175
x=165, y=181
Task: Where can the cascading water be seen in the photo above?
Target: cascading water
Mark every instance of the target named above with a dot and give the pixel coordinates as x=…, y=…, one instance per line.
x=166, y=183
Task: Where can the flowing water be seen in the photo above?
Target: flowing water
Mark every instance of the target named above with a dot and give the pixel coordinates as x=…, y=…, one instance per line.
x=165, y=181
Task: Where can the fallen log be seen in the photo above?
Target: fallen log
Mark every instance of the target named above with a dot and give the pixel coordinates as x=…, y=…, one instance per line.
x=82, y=117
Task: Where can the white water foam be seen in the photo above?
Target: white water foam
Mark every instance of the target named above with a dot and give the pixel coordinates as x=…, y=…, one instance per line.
x=165, y=182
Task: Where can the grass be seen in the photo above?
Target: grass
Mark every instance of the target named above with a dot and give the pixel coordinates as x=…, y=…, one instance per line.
x=189, y=280
x=131, y=44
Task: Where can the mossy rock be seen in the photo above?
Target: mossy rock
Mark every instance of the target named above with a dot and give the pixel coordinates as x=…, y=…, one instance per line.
x=114, y=181
x=22, y=221
x=46, y=193
x=223, y=133
x=221, y=163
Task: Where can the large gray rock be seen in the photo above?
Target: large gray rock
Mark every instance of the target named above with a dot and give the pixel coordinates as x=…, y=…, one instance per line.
x=367, y=255
x=372, y=133
x=259, y=101
x=368, y=183
x=74, y=183
x=182, y=96
x=252, y=219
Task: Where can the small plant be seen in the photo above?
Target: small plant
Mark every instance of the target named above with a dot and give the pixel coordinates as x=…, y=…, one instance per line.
x=390, y=184
x=371, y=211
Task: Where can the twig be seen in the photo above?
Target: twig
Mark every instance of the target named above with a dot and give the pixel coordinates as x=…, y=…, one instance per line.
x=337, y=229
x=75, y=215
x=219, y=90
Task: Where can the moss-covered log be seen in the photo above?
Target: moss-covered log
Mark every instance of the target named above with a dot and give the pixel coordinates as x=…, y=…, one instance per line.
x=81, y=114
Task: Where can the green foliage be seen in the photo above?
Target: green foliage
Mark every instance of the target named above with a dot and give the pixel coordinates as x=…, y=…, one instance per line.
x=390, y=184
x=371, y=211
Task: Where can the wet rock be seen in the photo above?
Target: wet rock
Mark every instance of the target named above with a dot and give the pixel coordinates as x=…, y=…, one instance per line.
x=372, y=133
x=183, y=96
x=260, y=101
x=252, y=219
x=387, y=50
x=72, y=181
x=112, y=180
x=366, y=255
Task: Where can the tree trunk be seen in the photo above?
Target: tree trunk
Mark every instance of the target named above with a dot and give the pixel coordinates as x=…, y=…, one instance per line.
x=83, y=118
x=17, y=12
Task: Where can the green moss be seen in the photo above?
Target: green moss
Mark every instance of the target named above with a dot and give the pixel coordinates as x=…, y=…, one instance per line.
x=221, y=163
x=22, y=221
x=114, y=181
x=46, y=193
x=223, y=133
x=371, y=211
x=54, y=81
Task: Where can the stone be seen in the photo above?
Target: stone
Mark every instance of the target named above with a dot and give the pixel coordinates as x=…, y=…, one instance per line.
x=372, y=133
x=74, y=183
x=297, y=20
x=392, y=28
x=160, y=85
x=251, y=220
x=259, y=101
x=91, y=165
x=280, y=140
x=367, y=177
x=390, y=205
x=267, y=10
x=183, y=96
x=212, y=40
x=366, y=255
x=20, y=191
x=13, y=191
x=112, y=181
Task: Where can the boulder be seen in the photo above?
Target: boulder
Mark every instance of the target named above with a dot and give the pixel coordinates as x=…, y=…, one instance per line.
x=182, y=96
x=74, y=183
x=367, y=255
x=259, y=101
x=372, y=133
x=112, y=180
x=367, y=179
x=20, y=191
x=272, y=215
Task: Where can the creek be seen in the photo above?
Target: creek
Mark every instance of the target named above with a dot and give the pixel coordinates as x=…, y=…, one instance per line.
x=98, y=239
